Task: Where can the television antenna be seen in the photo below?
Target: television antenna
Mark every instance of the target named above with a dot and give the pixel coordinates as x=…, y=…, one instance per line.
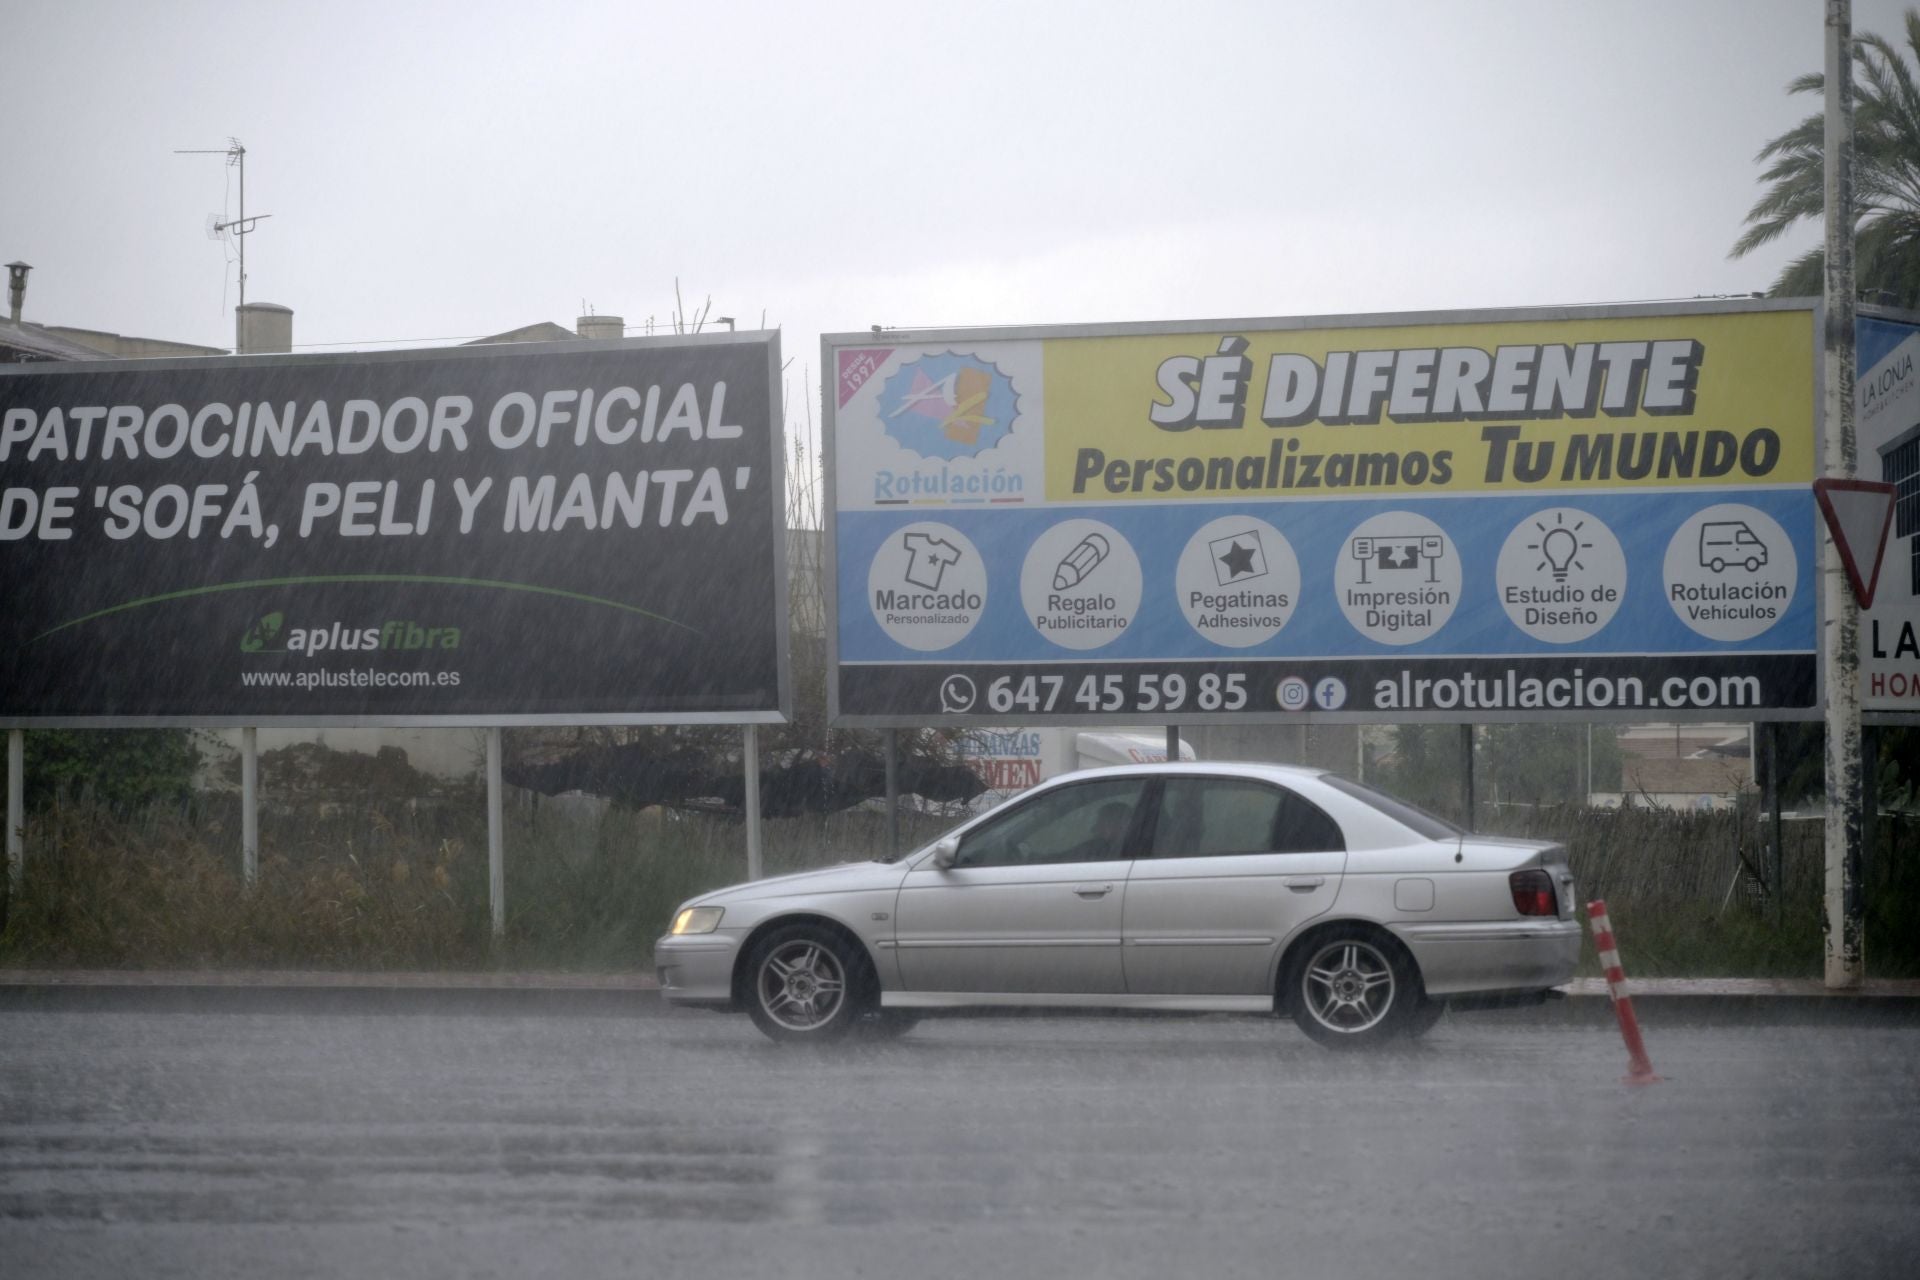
x=241, y=227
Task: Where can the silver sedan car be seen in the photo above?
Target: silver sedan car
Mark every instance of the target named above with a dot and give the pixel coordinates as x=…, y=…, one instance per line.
x=1244, y=888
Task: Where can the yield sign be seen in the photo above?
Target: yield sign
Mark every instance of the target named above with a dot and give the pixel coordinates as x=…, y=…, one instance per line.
x=1859, y=513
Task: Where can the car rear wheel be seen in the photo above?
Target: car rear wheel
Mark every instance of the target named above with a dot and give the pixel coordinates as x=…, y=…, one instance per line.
x=1425, y=1015
x=803, y=985
x=1354, y=988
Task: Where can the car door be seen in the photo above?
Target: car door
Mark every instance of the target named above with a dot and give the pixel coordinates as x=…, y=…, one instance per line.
x=1233, y=867
x=1033, y=900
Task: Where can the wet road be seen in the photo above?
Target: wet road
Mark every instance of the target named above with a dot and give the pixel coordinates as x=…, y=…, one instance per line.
x=249, y=1144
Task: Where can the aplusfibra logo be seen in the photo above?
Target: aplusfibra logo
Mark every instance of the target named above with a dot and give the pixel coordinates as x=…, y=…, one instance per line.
x=395, y=634
x=263, y=636
x=948, y=406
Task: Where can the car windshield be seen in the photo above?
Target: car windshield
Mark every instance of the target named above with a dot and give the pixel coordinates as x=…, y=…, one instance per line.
x=1407, y=815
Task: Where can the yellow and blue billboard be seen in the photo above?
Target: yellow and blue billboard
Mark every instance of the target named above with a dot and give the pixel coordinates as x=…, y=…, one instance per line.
x=1594, y=512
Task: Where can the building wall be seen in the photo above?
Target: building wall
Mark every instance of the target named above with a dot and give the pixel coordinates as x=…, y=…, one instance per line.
x=121, y=347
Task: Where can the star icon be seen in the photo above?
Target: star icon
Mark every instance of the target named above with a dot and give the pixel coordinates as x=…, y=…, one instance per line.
x=1239, y=560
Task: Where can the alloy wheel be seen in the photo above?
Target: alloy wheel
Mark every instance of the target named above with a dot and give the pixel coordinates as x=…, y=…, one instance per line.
x=1348, y=986
x=802, y=985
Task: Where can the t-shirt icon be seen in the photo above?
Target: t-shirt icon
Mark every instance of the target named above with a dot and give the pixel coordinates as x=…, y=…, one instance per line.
x=928, y=558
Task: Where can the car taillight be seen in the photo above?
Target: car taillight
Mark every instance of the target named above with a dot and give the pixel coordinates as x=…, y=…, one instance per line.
x=1533, y=893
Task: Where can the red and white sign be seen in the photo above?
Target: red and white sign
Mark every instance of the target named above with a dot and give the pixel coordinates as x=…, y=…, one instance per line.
x=1858, y=513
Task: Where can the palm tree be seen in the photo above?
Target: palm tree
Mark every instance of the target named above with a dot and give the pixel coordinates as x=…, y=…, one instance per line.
x=1886, y=177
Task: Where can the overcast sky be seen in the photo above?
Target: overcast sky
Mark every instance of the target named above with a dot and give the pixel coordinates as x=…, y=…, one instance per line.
x=446, y=171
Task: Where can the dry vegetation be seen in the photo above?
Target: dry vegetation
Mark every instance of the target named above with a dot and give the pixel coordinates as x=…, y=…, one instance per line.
x=400, y=886
x=373, y=865
x=1686, y=890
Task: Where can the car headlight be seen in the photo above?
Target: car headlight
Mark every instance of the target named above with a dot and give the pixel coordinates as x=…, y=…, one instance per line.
x=697, y=920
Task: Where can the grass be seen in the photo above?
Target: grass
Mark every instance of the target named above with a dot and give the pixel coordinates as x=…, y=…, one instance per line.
x=398, y=885
x=1684, y=899
x=375, y=884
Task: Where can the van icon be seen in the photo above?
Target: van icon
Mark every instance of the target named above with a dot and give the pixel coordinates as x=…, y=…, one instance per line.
x=1725, y=542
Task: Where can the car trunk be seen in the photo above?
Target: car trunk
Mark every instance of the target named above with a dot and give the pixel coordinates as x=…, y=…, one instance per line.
x=1513, y=854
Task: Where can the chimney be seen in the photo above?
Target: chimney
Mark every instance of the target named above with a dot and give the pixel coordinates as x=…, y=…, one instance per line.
x=266, y=328
x=596, y=327
x=17, y=288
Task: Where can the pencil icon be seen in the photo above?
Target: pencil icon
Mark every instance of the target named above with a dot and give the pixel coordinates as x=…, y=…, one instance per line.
x=1079, y=562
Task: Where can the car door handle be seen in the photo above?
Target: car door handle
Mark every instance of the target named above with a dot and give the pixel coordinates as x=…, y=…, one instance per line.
x=1093, y=890
x=1303, y=883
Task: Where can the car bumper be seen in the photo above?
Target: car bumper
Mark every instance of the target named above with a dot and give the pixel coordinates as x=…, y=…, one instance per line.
x=696, y=969
x=1516, y=955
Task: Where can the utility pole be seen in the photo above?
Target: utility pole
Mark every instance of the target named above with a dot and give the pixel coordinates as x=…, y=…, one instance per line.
x=1845, y=961
x=241, y=227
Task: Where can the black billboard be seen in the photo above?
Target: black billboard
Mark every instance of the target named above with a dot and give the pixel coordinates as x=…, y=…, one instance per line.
x=550, y=533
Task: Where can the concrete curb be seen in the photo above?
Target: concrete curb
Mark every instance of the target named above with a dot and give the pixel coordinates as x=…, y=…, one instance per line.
x=1727, y=1001
x=323, y=992
x=279, y=979
x=1678, y=1001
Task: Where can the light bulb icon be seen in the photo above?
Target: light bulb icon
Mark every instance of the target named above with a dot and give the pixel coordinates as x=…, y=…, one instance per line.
x=1562, y=576
x=1559, y=547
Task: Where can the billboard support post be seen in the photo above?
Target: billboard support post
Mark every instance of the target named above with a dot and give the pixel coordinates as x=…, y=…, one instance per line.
x=1587, y=798
x=249, y=806
x=751, y=752
x=1466, y=774
x=1845, y=963
x=1173, y=744
x=1776, y=853
x=16, y=811
x=496, y=842
x=892, y=757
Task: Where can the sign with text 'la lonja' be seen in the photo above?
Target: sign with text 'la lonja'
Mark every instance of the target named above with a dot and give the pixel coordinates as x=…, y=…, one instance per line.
x=1587, y=513
x=1887, y=427
x=586, y=533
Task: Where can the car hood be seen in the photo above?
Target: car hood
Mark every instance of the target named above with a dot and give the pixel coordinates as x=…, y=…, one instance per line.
x=845, y=878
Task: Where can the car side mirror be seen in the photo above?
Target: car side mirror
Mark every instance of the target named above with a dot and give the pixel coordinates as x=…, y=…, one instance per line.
x=945, y=852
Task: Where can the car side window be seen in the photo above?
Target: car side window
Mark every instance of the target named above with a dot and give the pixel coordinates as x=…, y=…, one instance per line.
x=1086, y=822
x=1222, y=817
x=1304, y=827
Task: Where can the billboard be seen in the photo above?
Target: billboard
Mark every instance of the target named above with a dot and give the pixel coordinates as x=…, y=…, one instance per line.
x=539, y=533
x=1568, y=513
x=1887, y=434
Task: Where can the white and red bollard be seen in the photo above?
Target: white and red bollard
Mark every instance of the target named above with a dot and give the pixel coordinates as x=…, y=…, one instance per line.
x=1639, y=1069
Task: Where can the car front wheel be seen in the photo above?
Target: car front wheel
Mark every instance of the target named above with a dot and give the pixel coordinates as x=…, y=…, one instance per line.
x=801, y=985
x=1351, y=988
x=878, y=1025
